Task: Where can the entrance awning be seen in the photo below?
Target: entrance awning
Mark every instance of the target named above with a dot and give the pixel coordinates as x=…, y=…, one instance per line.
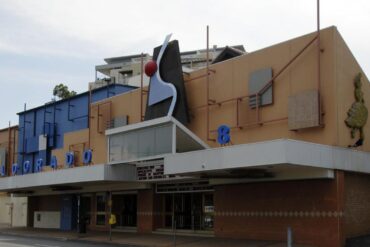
x=282, y=159
x=63, y=178
x=150, y=140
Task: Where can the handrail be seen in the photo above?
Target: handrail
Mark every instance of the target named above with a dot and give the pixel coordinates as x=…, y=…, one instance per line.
x=258, y=94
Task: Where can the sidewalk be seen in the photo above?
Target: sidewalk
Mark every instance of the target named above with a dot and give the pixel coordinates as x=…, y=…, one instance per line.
x=138, y=239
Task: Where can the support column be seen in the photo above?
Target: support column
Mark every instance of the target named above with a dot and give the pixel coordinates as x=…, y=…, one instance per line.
x=149, y=211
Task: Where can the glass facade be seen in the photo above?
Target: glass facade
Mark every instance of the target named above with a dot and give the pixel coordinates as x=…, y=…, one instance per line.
x=189, y=211
x=124, y=207
x=100, y=209
x=140, y=143
x=85, y=208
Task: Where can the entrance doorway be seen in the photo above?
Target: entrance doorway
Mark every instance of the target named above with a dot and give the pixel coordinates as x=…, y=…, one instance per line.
x=189, y=211
x=124, y=207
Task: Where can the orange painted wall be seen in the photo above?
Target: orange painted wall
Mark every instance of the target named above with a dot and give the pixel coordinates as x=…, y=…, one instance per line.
x=346, y=69
x=229, y=80
x=12, y=147
x=77, y=142
x=103, y=111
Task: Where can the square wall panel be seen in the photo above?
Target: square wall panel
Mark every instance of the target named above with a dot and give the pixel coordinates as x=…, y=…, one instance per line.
x=303, y=110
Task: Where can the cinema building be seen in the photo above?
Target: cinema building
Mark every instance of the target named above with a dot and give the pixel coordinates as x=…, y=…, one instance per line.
x=244, y=148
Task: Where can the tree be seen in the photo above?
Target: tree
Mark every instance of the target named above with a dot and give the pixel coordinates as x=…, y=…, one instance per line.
x=63, y=92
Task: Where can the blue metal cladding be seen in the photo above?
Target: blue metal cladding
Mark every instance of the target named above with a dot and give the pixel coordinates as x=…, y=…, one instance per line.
x=54, y=120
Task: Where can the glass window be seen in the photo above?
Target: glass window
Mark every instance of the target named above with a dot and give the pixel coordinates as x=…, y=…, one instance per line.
x=100, y=203
x=85, y=208
x=100, y=209
x=129, y=145
x=208, y=210
x=146, y=143
x=100, y=219
x=115, y=148
x=163, y=139
x=140, y=143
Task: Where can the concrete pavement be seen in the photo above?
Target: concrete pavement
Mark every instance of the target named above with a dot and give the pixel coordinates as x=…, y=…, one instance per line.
x=136, y=239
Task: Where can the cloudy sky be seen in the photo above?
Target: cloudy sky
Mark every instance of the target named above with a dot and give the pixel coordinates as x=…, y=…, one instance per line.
x=43, y=43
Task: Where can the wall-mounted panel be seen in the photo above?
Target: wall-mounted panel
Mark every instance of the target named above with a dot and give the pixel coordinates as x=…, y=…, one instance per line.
x=258, y=83
x=303, y=110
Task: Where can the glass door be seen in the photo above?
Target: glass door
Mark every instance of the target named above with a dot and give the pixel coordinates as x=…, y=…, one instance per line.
x=85, y=208
x=189, y=211
x=124, y=207
x=101, y=212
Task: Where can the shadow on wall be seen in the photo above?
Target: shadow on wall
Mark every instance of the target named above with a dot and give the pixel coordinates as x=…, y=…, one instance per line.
x=363, y=241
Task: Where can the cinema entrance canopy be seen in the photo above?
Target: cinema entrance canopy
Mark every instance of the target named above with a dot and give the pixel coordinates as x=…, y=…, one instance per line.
x=150, y=141
x=281, y=159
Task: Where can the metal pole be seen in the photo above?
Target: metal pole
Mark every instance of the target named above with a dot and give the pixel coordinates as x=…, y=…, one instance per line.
x=207, y=83
x=318, y=60
x=110, y=215
x=79, y=214
x=141, y=87
x=14, y=151
x=23, y=138
x=174, y=234
x=9, y=149
x=89, y=117
x=289, y=237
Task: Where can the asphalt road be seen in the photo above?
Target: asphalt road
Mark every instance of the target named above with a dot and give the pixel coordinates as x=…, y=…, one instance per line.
x=19, y=241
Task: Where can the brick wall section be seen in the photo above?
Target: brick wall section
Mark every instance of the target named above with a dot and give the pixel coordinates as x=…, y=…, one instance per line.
x=47, y=203
x=158, y=211
x=357, y=205
x=149, y=211
x=42, y=203
x=145, y=206
x=264, y=211
x=31, y=208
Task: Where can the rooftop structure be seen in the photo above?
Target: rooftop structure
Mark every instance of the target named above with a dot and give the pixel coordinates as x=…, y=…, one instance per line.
x=127, y=70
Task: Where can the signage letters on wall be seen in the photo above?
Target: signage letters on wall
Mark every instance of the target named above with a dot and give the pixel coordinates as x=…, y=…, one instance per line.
x=223, y=134
x=39, y=165
x=54, y=162
x=70, y=159
x=15, y=169
x=87, y=157
x=26, y=166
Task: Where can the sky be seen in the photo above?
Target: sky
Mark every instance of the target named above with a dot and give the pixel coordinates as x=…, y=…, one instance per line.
x=44, y=43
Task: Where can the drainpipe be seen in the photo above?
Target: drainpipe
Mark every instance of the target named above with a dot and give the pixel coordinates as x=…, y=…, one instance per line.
x=9, y=149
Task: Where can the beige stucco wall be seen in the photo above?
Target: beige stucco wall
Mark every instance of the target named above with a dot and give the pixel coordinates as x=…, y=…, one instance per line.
x=19, y=218
x=13, y=210
x=5, y=212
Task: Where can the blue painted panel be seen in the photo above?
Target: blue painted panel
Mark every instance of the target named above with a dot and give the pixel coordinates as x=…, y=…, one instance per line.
x=32, y=144
x=55, y=120
x=68, y=215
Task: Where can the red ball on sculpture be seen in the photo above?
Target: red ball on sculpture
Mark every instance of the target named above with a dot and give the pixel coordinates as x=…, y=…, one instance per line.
x=150, y=68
